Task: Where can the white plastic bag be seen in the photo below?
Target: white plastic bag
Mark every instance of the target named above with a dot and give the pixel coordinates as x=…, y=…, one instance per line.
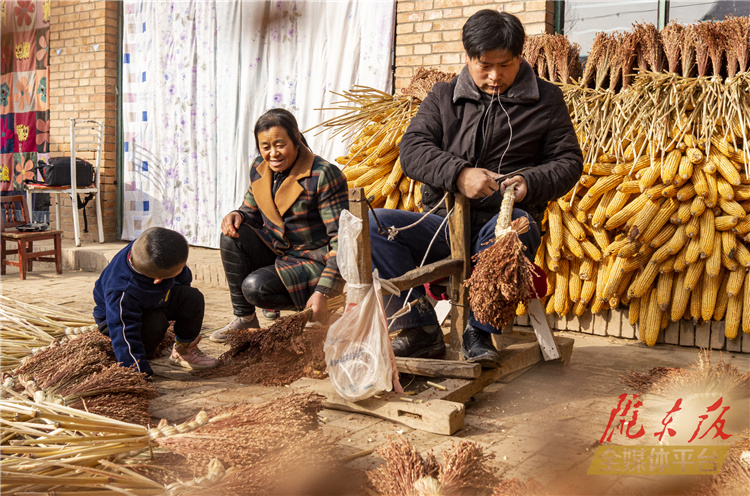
x=357, y=347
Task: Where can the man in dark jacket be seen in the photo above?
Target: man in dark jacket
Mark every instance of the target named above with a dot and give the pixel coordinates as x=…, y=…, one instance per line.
x=496, y=117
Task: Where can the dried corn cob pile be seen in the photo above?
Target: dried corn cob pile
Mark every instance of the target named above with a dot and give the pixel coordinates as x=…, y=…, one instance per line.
x=376, y=121
x=659, y=219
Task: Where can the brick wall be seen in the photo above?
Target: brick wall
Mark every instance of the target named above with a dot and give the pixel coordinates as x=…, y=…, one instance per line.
x=83, y=82
x=428, y=32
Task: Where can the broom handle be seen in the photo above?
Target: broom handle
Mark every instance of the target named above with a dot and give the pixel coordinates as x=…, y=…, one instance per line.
x=506, y=210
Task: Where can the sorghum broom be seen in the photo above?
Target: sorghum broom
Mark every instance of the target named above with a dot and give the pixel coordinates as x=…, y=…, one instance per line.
x=503, y=276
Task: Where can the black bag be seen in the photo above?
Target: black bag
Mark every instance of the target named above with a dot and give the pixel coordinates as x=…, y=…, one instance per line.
x=57, y=172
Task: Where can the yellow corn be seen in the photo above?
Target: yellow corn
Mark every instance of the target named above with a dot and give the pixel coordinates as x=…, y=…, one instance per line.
x=587, y=180
x=418, y=196
x=629, y=168
x=572, y=244
x=735, y=279
x=713, y=192
x=373, y=175
x=392, y=199
x=629, y=187
x=388, y=157
x=640, y=221
x=661, y=237
x=630, y=249
x=680, y=297
x=633, y=311
x=699, y=183
x=731, y=207
x=709, y=293
x=670, y=166
x=713, y=261
x=600, y=212
x=615, y=275
x=374, y=192
x=678, y=240
x=733, y=317
x=694, y=156
x=686, y=192
x=664, y=289
x=655, y=191
x=742, y=193
x=653, y=320
x=639, y=261
x=590, y=250
x=743, y=226
x=353, y=173
x=561, y=287
x=627, y=212
x=602, y=185
x=746, y=305
x=725, y=222
x=693, y=274
x=574, y=282
x=573, y=226
x=724, y=167
x=725, y=189
x=667, y=209
x=742, y=255
x=693, y=253
x=650, y=175
x=697, y=206
x=727, y=262
x=644, y=280
x=695, y=301
x=670, y=191
x=601, y=236
x=722, y=299
x=393, y=178
x=403, y=186
x=586, y=268
x=707, y=230
x=692, y=227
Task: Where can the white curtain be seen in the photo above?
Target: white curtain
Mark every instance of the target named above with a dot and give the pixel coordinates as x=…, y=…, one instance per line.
x=198, y=74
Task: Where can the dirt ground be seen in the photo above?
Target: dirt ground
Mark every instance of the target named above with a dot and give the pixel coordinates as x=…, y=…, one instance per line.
x=545, y=424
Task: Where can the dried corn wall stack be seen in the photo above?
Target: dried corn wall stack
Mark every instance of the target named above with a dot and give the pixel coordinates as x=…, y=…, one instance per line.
x=376, y=121
x=659, y=219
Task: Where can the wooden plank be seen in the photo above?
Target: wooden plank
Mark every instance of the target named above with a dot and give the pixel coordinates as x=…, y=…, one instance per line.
x=516, y=357
x=541, y=329
x=460, y=238
x=358, y=206
x=435, y=415
x=427, y=273
x=430, y=367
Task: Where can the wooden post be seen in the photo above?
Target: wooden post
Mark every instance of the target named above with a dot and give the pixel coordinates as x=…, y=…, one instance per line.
x=460, y=236
x=358, y=206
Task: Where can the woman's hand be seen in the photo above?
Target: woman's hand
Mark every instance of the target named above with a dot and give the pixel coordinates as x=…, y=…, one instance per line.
x=230, y=223
x=477, y=182
x=319, y=303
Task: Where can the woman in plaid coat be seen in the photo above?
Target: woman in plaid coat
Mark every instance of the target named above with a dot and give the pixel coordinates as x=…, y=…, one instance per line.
x=279, y=247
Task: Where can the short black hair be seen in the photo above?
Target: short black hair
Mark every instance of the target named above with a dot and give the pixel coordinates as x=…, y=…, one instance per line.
x=284, y=119
x=492, y=30
x=158, y=251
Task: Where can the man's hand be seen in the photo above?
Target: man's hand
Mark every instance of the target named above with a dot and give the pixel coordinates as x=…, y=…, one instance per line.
x=319, y=303
x=474, y=182
x=521, y=187
x=230, y=223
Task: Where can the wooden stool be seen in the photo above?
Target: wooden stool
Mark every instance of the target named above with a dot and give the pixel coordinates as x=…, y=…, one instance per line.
x=9, y=220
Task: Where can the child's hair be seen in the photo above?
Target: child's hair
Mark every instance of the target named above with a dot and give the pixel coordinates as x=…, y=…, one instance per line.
x=159, y=252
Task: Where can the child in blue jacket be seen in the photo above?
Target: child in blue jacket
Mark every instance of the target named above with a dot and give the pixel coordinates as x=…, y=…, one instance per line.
x=146, y=285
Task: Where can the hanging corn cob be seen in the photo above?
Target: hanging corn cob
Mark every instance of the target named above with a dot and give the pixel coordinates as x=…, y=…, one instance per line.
x=664, y=195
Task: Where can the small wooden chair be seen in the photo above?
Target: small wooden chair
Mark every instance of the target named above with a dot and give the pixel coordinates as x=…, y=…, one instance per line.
x=15, y=213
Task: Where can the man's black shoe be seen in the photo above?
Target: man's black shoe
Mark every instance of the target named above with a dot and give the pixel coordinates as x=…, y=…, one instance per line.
x=477, y=347
x=419, y=342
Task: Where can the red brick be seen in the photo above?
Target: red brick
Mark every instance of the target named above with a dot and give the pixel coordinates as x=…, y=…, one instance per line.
x=408, y=61
x=402, y=71
x=452, y=58
x=433, y=14
x=407, y=28
x=452, y=13
x=423, y=5
x=405, y=50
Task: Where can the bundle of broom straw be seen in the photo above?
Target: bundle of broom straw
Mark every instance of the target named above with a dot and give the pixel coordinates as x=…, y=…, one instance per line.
x=502, y=277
